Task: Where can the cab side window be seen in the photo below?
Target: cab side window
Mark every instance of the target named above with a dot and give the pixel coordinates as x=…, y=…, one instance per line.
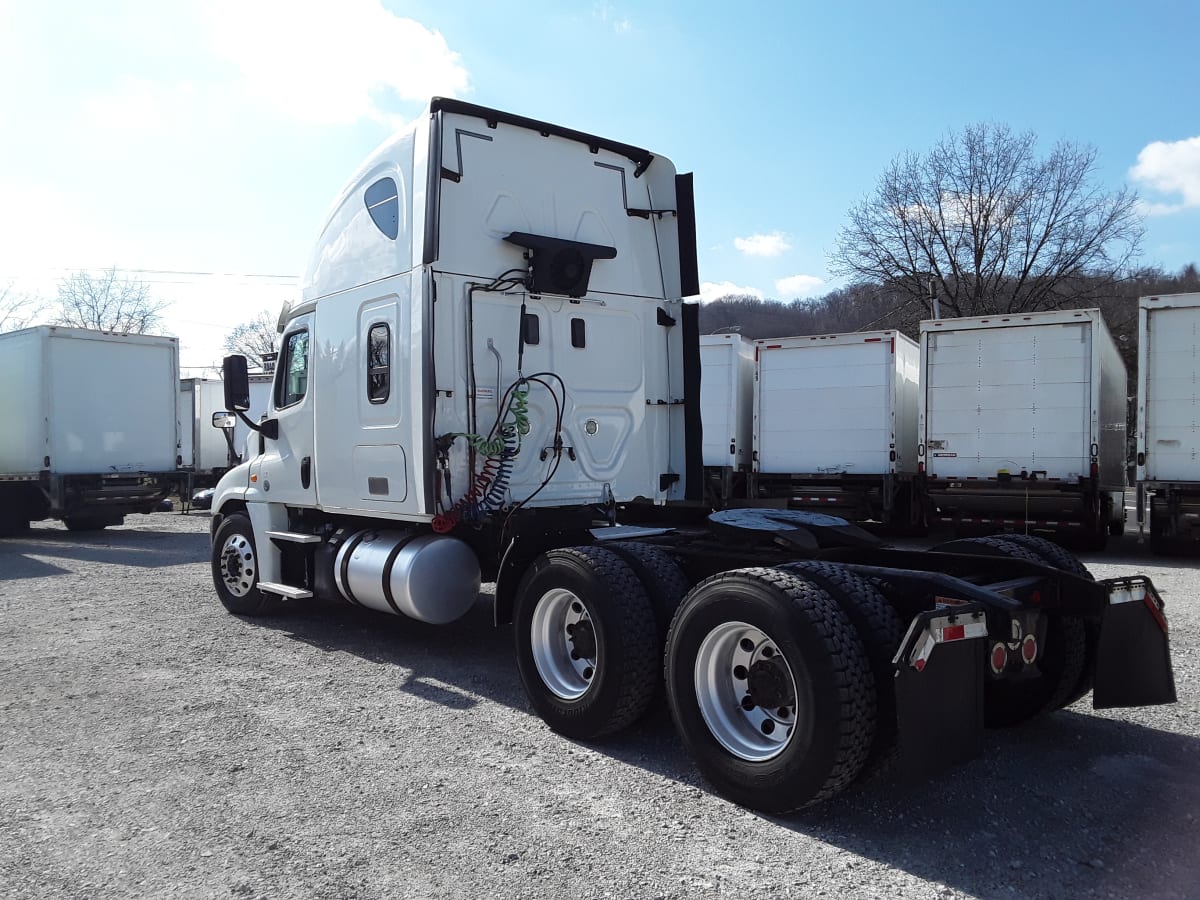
x=291, y=384
x=379, y=363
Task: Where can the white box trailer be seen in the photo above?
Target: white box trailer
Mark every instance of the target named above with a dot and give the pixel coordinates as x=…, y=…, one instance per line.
x=1022, y=423
x=90, y=425
x=1168, y=429
x=204, y=449
x=727, y=399
x=835, y=424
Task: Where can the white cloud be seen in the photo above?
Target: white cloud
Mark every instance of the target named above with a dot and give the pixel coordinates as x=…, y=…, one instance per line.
x=334, y=63
x=609, y=16
x=771, y=244
x=798, y=286
x=714, y=290
x=1170, y=168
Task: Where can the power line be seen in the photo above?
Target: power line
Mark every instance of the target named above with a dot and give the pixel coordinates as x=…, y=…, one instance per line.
x=159, y=272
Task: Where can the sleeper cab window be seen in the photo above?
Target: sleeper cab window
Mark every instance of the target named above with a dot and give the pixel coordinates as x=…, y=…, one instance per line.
x=292, y=381
x=383, y=203
x=379, y=362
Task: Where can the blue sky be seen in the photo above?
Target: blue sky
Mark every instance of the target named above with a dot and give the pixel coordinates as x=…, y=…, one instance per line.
x=183, y=138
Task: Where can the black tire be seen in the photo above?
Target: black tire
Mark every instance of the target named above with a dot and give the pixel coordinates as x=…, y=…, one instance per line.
x=1051, y=553
x=800, y=640
x=235, y=569
x=1063, y=659
x=1116, y=527
x=880, y=630
x=664, y=581
x=1066, y=561
x=587, y=647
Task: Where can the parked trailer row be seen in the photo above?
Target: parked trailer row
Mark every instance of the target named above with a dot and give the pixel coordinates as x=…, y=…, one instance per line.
x=491, y=376
x=1003, y=423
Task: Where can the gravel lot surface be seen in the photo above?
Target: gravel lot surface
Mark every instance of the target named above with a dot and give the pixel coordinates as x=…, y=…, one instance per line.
x=151, y=745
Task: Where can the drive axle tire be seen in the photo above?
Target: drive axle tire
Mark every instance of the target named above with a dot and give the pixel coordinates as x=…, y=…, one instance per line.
x=880, y=630
x=587, y=647
x=1066, y=561
x=235, y=569
x=770, y=689
x=1063, y=659
x=664, y=581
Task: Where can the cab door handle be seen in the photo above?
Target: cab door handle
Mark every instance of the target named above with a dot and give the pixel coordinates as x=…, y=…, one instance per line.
x=305, y=472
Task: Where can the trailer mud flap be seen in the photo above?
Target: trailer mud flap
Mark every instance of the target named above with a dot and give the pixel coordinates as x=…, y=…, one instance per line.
x=1133, y=657
x=939, y=690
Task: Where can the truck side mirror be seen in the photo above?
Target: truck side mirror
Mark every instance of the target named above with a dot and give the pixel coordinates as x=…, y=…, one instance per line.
x=223, y=419
x=237, y=384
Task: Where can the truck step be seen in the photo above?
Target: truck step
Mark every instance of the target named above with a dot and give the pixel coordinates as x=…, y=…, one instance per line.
x=296, y=537
x=285, y=590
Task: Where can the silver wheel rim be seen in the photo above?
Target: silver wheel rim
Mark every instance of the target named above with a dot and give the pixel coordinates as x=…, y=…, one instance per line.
x=239, y=569
x=564, y=644
x=735, y=662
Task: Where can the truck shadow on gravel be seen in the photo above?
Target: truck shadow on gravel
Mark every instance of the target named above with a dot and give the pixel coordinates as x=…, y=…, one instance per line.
x=1071, y=804
x=28, y=556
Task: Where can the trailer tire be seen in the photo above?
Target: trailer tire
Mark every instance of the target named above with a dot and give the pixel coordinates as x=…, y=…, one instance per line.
x=776, y=634
x=660, y=575
x=235, y=569
x=1064, y=659
x=587, y=646
x=880, y=630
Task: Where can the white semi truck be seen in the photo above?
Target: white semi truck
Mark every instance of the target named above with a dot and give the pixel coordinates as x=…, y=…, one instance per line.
x=88, y=426
x=491, y=376
x=1168, y=416
x=1022, y=424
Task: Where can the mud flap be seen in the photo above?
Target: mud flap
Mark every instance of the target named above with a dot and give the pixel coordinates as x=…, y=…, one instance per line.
x=939, y=692
x=1133, y=657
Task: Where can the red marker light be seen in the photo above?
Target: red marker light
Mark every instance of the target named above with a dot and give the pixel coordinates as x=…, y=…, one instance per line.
x=999, y=658
x=954, y=633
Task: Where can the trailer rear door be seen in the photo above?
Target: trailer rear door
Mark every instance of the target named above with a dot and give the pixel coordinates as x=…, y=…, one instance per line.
x=1009, y=399
x=1172, y=410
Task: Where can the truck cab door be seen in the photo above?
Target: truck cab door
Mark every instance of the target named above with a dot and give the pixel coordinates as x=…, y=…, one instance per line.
x=286, y=469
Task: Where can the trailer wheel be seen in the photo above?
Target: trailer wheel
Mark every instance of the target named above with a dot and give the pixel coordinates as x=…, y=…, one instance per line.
x=770, y=688
x=664, y=581
x=880, y=630
x=587, y=645
x=235, y=569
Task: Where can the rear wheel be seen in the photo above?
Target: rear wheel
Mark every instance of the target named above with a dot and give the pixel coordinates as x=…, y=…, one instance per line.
x=587, y=645
x=235, y=569
x=880, y=630
x=770, y=689
x=1066, y=561
x=664, y=581
x=1062, y=660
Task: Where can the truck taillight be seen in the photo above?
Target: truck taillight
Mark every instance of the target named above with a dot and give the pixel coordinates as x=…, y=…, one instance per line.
x=1095, y=469
x=920, y=468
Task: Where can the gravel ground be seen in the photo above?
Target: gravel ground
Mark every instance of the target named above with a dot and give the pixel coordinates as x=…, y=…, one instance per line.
x=153, y=745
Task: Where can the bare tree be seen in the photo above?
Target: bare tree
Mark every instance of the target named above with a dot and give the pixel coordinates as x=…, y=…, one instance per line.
x=108, y=303
x=254, y=339
x=991, y=226
x=17, y=310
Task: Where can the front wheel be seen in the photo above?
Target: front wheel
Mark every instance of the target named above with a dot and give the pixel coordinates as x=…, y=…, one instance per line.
x=235, y=569
x=587, y=644
x=770, y=689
